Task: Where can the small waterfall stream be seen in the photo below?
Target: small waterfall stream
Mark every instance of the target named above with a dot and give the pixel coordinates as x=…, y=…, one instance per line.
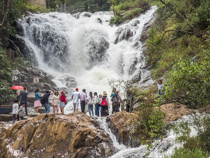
x=159, y=148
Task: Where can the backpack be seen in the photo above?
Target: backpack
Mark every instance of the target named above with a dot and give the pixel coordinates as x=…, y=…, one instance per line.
x=43, y=100
x=104, y=102
x=114, y=98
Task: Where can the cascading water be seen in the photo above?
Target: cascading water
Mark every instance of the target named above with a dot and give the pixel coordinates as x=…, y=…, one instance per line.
x=159, y=148
x=86, y=47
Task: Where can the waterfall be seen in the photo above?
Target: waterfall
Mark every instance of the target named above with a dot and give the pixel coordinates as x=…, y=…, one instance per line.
x=86, y=47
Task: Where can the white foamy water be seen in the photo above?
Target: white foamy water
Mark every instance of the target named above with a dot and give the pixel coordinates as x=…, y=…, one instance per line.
x=159, y=148
x=86, y=48
x=103, y=125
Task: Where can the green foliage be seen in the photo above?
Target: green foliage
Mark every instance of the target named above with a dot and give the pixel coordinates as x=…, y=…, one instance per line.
x=9, y=13
x=126, y=10
x=5, y=77
x=189, y=82
x=177, y=34
x=149, y=124
x=88, y=5
x=186, y=153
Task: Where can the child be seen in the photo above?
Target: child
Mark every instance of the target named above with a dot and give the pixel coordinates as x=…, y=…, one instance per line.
x=21, y=110
x=15, y=110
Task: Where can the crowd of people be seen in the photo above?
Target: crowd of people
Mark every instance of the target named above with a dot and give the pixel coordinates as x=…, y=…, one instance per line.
x=92, y=101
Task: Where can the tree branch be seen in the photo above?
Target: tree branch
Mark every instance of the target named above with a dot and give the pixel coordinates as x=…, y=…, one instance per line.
x=5, y=15
x=173, y=9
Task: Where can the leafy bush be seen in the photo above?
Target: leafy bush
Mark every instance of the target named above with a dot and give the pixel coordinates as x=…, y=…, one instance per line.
x=149, y=124
x=177, y=34
x=126, y=10
x=186, y=153
x=189, y=82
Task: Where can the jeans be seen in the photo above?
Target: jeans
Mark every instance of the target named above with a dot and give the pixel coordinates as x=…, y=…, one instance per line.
x=83, y=106
x=90, y=109
x=14, y=117
x=47, y=107
x=97, y=109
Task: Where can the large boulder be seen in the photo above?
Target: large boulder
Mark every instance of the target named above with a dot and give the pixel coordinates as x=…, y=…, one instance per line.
x=174, y=111
x=121, y=124
x=75, y=135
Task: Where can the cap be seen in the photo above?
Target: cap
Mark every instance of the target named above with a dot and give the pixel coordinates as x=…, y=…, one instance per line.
x=105, y=94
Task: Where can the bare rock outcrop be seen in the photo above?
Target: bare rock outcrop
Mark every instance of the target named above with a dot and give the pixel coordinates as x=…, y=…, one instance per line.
x=174, y=111
x=122, y=126
x=48, y=135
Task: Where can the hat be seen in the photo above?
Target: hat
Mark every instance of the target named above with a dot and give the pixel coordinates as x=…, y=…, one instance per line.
x=77, y=89
x=105, y=94
x=61, y=92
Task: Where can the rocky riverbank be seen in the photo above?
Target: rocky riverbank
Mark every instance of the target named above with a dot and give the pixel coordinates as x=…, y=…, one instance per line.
x=48, y=135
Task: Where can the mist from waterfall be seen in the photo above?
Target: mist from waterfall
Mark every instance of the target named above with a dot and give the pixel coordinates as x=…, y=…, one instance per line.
x=86, y=47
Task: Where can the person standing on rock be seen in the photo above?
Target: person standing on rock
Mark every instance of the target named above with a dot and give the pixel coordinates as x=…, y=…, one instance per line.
x=23, y=99
x=104, y=105
x=75, y=98
x=129, y=101
x=83, y=100
x=62, y=101
x=37, y=102
x=56, y=101
x=115, y=102
x=15, y=110
x=96, y=103
x=160, y=87
x=45, y=101
x=90, y=104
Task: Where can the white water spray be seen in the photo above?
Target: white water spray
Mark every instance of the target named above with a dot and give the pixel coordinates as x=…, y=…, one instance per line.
x=87, y=48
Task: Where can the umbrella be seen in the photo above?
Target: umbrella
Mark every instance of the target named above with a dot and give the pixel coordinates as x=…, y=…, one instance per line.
x=16, y=87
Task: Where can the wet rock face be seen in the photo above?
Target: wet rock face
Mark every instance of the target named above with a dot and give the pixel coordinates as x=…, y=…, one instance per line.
x=122, y=126
x=174, y=111
x=25, y=77
x=75, y=135
x=96, y=45
x=123, y=34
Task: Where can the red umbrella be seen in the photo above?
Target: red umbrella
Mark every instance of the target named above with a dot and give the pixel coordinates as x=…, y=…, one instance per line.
x=17, y=87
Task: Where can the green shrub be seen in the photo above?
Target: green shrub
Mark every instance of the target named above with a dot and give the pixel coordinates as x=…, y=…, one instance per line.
x=189, y=82
x=126, y=10
x=149, y=124
x=186, y=153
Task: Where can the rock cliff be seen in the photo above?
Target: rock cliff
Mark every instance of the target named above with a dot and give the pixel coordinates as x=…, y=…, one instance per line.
x=73, y=135
x=122, y=126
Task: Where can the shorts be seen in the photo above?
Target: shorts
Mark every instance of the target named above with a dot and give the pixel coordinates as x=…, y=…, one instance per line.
x=76, y=106
x=62, y=104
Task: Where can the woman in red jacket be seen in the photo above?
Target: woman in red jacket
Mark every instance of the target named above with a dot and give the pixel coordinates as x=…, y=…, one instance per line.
x=62, y=101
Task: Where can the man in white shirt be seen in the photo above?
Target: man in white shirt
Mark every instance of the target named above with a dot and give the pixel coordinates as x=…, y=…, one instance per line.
x=75, y=98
